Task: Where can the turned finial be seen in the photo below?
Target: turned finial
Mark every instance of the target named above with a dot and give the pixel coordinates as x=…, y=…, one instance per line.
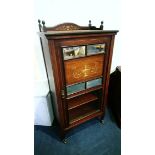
x=101, y=26
x=39, y=24
x=44, y=27
x=89, y=23
x=43, y=22
x=39, y=21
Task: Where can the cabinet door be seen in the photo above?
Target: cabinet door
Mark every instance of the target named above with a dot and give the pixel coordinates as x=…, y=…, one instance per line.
x=83, y=65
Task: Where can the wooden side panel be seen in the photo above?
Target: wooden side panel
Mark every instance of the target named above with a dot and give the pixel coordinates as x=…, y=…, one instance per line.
x=58, y=78
x=84, y=69
x=108, y=66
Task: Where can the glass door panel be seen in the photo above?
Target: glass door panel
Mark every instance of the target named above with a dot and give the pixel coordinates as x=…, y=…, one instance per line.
x=73, y=52
x=95, y=49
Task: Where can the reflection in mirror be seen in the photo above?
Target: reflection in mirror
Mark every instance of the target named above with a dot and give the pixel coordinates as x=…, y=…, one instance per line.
x=95, y=49
x=73, y=52
x=94, y=83
x=75, y=88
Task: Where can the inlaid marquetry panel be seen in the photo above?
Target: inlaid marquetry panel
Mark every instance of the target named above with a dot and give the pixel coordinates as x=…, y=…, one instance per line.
x=79, y=70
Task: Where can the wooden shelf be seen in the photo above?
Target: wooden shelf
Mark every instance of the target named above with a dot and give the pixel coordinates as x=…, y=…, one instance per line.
x=84, y=92
x=82, y=112
x=81, y=100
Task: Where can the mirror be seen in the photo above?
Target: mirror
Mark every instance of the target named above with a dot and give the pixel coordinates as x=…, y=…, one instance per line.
x=95, y=49
x=73, y=52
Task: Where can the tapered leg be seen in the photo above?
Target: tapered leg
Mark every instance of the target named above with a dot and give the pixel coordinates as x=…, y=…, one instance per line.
x=62, y=136
x=101, y=119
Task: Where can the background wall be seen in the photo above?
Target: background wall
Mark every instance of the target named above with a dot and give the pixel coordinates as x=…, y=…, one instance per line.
x=80, y=12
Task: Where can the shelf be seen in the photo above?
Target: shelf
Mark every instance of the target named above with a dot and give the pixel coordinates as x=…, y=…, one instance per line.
x=82, y=112
x=84, y=92
x=81, y=100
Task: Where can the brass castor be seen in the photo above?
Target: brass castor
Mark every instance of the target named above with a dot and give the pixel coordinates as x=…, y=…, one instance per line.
x=64, y=141
x=102, y=121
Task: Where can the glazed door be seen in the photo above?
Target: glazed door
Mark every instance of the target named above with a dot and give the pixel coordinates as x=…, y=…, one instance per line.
x=83, y=65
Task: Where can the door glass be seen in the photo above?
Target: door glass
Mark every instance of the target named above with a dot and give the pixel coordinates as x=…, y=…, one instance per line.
x=73, y=52
x=75, y=88
x=94, y=83
x=95, y=49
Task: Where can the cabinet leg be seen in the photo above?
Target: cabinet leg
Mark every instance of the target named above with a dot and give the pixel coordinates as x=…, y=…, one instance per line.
x=62, y=137
x=64, y=141
x=101, y=119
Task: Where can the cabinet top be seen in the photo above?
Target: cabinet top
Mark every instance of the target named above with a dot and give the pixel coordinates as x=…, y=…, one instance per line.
x=66, y=30
x=76, y=32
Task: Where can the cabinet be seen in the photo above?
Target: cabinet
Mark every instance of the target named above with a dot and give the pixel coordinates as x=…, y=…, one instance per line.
x=78, y=61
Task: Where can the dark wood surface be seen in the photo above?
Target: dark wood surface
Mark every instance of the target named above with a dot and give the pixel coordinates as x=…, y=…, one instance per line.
x=78, y=32
x=72, y=110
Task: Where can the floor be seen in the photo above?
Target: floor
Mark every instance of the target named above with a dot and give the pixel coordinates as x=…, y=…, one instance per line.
x=90, y=138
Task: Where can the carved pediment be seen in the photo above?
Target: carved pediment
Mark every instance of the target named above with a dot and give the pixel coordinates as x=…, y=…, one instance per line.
x=68, y=27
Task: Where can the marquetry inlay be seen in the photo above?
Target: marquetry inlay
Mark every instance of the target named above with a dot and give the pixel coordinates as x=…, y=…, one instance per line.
x=66, y=27
x=83, y=69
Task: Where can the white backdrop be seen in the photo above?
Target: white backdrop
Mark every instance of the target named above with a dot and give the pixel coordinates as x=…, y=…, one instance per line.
x=79, y=12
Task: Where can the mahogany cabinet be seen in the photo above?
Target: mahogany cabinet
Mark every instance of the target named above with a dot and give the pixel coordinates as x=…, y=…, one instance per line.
x=78, y=61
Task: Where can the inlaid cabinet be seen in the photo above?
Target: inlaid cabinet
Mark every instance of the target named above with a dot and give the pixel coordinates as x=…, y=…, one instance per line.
x=78, y=61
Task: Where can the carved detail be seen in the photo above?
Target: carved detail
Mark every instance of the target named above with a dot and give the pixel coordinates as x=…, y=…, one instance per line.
x=66, y=27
